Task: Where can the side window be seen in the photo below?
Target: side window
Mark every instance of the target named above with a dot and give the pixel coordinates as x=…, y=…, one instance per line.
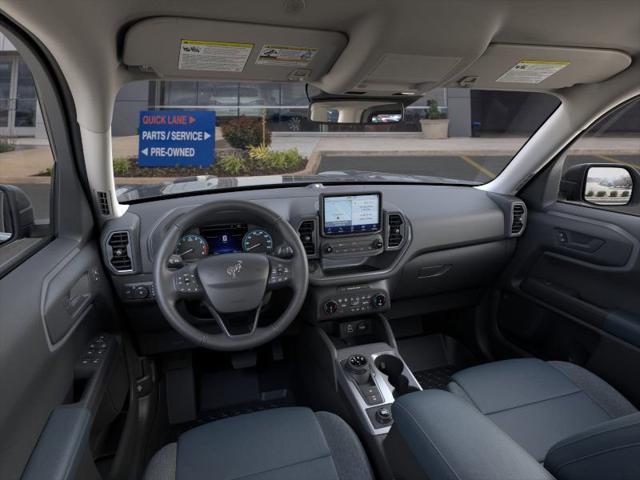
x=602, y=168
x=26, y=160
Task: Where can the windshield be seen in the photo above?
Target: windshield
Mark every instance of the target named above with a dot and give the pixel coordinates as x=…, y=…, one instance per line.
x=175, y=137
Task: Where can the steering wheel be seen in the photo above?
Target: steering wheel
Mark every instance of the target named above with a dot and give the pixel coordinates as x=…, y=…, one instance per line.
x=232, y=283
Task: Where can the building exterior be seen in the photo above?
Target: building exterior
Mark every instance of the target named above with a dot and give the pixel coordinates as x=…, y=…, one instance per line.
x=286, y=104
x=20, y=114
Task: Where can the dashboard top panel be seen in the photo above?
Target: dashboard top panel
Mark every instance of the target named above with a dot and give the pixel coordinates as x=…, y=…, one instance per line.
x=439, y=217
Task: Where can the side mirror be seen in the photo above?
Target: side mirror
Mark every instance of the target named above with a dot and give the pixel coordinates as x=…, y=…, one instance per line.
x=608, y=186
x=359, y=111
x=16, y=214
x=603, y=185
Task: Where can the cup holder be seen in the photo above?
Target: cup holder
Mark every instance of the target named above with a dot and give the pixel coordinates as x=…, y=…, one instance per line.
x=393, y=367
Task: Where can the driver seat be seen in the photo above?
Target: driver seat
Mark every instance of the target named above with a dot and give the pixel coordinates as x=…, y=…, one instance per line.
x=283, y=443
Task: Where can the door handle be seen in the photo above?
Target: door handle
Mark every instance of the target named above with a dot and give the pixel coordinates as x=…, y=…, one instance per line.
x=578, y=241
x=78, y=296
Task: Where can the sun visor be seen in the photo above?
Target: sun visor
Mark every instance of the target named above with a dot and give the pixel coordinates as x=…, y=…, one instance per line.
x=528, y=67
x=192, y=48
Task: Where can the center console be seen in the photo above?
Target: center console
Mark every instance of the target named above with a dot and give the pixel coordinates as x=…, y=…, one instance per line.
x=353, y=247
x=355, y=244
x=359, y=359
x=372, y=376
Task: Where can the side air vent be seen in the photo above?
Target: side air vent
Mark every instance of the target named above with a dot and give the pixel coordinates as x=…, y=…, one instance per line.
x=119, y=252
x=518, y=218
x=396, y=231
x=103, y=203
x=307, y=232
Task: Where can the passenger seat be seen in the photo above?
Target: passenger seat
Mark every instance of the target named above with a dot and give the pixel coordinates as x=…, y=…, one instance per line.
x=539, y=404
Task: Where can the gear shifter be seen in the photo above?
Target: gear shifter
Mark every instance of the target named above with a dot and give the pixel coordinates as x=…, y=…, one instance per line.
x=358, y=366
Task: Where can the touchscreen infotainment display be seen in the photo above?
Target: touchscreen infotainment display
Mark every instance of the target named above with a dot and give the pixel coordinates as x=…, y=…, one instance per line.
x=343, y=215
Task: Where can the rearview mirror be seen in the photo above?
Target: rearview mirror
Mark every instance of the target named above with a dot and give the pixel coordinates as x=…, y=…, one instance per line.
x=608, y=186
x=356, y=111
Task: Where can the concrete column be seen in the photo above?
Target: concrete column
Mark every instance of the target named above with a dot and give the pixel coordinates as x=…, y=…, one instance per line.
x=131, y=99
x=459, y=108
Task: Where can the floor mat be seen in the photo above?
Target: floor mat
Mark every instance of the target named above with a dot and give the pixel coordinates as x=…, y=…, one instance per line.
x=436, y=377
x=433, y=359
x=221, y=413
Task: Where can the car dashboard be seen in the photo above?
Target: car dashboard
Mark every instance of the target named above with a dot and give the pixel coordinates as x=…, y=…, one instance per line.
x=420, y=248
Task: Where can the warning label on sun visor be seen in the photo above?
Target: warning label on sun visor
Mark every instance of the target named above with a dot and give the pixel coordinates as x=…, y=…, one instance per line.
x=213, y=56
x=285, y=55
x=532, y=71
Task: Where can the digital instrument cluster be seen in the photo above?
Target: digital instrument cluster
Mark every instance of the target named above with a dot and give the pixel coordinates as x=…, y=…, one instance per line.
x=221, y=239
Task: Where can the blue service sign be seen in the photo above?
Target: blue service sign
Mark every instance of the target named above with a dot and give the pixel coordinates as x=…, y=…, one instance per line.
x=176, y=138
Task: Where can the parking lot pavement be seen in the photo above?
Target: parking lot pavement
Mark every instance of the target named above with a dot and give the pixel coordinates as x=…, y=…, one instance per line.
x=477, y=168
x=451, y=166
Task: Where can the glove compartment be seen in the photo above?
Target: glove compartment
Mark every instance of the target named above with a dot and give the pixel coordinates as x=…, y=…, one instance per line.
x=453, y=269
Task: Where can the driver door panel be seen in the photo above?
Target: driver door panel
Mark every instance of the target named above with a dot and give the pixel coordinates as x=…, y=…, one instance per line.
x=52, y=309
x=56, y=405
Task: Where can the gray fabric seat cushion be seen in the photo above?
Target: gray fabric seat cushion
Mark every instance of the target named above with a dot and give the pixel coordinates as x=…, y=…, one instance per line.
x=608, y=450
x=539, y=403
x=283, y=443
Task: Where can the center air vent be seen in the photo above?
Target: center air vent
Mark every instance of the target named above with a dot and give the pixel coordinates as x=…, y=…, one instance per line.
x=395, y=230
x=119, y=252
x=307, y=232
x=518, y=218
